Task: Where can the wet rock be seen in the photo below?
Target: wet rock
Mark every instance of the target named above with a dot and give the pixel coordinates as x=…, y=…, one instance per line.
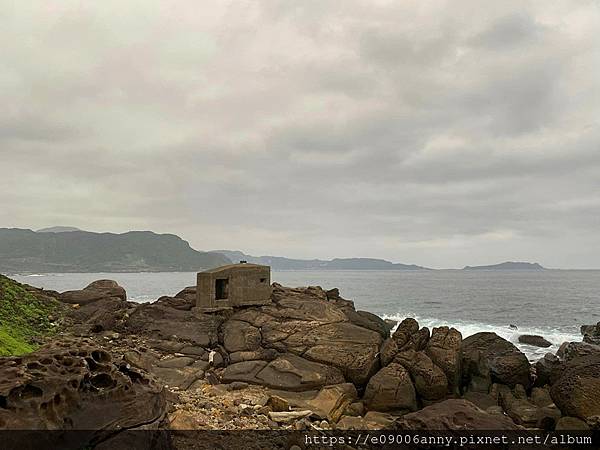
x=454, y=414
x=487, y=358
x=444, y=350
x=75, y=384
x=94, y=291
x=391, y=389
x=591, y=333
x=536, y=341
x=429, y=380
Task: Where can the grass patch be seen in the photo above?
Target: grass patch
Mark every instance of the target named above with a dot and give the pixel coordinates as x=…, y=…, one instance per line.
x=24, y=319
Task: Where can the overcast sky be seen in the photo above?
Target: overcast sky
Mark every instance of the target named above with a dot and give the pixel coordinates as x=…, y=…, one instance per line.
x=440, y=133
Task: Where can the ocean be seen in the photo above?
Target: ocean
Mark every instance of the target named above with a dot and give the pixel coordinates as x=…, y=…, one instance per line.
x=551, y=303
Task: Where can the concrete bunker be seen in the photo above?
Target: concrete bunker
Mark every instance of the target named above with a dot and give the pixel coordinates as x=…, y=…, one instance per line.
x=234, y=285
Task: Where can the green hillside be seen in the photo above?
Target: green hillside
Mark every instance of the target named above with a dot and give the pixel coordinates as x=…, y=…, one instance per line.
x=24, y=318
x=83, y=251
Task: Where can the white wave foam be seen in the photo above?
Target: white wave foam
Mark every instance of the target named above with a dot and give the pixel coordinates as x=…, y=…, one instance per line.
x=553, y=335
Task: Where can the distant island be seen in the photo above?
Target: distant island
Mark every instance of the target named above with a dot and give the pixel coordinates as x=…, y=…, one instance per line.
x=57, y=230
x=83, y=251
x=281, y=263
x=509, y=265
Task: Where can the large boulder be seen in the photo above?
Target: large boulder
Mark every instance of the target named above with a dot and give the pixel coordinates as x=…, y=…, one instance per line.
x=408, y=336
x=287, y=372
x=104, y=314
x=444, y=350
x=577, y=390
x=391, y=389
x=304, y=321
x=591, y=333
x=165, y=323
x=75, y=384
x=240, y=336
x=487, y=358
x=429, y=380
x=93, y=292
x=534, y=340
x=454, y=414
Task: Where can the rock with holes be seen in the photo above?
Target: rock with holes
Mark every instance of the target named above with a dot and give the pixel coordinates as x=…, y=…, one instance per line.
x=74, y=384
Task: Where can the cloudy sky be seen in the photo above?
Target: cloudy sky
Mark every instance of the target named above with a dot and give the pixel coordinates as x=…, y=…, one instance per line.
x=440, y=133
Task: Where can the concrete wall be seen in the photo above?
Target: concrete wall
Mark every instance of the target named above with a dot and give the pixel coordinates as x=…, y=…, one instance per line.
x=249, y=284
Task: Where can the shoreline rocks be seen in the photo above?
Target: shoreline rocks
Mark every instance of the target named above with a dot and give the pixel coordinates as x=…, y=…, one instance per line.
x=308, y=361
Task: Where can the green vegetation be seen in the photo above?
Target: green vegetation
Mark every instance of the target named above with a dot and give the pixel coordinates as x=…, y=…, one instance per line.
x=23, y=318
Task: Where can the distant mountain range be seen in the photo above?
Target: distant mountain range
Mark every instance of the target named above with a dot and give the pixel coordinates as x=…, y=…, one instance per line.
x=281, y=263
x=509, y=265
x=82, y=251
x=69, y=249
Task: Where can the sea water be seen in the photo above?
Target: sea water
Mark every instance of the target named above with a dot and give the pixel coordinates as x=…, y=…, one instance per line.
x=550, y=303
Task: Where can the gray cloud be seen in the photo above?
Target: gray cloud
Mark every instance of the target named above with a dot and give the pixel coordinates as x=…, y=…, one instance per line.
x=437, y=133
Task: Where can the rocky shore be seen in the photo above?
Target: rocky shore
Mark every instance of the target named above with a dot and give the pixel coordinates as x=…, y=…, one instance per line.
x=308, y=361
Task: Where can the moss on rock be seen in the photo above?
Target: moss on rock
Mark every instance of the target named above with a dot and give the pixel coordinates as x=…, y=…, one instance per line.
x=25, y=319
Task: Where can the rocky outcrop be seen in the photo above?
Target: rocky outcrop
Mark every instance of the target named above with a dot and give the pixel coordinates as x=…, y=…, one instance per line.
x=591, y=333
x=487, y=358
x=429, y=380
x=306, y=322
x=444, y=350
x=454, y=414
x=287, y=372
x=536, y=341
x=577, y=390
x=391, y=389
x=94, y=291
x=75, y=384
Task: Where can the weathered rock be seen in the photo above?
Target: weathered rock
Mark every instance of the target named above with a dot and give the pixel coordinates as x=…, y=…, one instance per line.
x=262, y=354
x=571, y=350
x=591, y=333
x=375, y=420
x=184, y=421
x=520, y=410
x=175, y=302
x=454, y=414
x=332, y=401
x=93, y=292
x=188, y=294
x=175, y=363
x=169, y=324
x=391, y=389
x=355, y=409
x=547, y=370
x=388, y=351
x=289, y=416
x=181, y=378
x=369, y=321
x=240, y=336
x=536, y=341
x=75, y=384
x=351, y=423
x=571, y=423
x=541, y=397
x=277, y=403
x=304, y=322
x=287, y=372
x=103, y=314
x=444, y=350
x=577, y=391
x=488, y=358
x=429, y=380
